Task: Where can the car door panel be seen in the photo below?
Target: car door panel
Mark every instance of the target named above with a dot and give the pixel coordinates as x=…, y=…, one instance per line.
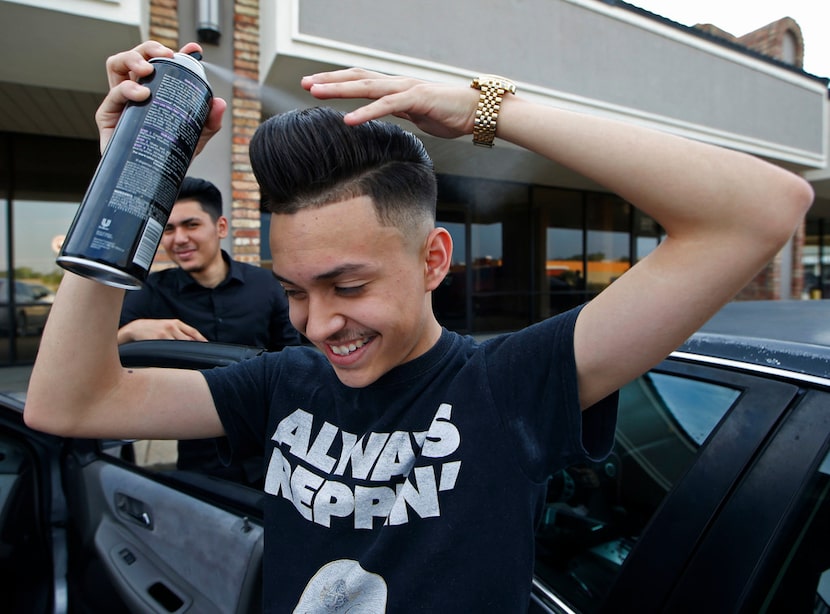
x=659, y=553
x=167, y=551
x=746, y=545
x=25, y=574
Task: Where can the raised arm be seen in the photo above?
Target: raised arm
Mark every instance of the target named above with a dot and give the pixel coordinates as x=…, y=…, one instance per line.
x=725, y=213
x=78, y=386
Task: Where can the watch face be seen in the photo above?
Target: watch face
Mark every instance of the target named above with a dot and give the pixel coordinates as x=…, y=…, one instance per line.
x=494, y=81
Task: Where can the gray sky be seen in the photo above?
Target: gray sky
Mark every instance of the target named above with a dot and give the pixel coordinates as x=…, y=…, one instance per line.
x=739, y=18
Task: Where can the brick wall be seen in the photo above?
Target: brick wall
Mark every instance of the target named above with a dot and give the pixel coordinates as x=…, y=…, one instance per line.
x=164, y=28
x=164, y=22
x=769, y=40
x=246, y=111
x=244, y=114
x=798, y=253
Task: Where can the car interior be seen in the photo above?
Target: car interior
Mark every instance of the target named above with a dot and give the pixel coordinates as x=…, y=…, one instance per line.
x=595, y=512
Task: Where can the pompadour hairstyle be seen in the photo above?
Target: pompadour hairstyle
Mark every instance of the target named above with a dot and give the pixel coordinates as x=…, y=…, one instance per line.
x=311, y=157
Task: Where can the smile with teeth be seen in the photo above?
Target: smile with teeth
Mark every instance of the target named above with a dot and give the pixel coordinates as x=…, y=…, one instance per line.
x=346, y=349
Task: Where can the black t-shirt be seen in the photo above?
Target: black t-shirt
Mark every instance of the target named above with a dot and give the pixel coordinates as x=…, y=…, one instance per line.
x=421, y=491
x=249, y=307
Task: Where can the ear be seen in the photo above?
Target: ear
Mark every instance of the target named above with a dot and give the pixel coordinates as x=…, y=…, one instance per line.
x=438, y=257
x=222, y=226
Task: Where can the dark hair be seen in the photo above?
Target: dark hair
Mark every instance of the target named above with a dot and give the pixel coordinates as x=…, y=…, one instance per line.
x=203, y=191
x=311, y=158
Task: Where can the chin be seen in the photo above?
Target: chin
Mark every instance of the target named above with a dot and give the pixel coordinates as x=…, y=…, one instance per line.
x=353, y=379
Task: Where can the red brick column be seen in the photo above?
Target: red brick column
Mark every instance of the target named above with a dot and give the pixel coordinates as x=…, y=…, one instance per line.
x=164, y=22
x=798, y=253
x=246, y=114
x=164, y=28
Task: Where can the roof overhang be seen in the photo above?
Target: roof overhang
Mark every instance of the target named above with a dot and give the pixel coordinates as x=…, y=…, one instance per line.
x=52, y=82
x=74, y=38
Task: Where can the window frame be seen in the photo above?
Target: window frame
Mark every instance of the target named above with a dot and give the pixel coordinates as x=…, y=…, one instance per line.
x=657, y=562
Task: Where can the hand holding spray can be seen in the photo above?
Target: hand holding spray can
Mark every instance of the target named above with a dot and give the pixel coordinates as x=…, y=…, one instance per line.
x=119, y=224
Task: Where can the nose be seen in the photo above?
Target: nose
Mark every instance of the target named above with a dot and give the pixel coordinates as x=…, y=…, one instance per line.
x=180, y=234
x=321, y=319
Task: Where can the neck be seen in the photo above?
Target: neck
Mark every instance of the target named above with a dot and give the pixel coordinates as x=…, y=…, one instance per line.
x=213, y=274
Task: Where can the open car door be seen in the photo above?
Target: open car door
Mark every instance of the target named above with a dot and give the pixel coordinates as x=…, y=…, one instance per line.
x=86, y=528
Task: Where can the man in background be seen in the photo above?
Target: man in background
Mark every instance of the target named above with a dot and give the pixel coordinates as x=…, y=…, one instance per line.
x=207, y=297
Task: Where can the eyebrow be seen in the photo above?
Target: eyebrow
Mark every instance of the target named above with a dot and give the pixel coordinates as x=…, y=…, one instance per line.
x=343, y=269
x=182, y=222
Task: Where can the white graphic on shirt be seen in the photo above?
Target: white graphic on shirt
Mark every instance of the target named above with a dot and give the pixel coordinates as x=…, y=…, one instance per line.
x=343, y=586
x=307, y=474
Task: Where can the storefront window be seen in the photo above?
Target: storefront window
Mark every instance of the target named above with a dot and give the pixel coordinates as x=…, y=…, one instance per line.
x=449, y=299
x=533, y=251
x=489, y=284
x=608, y=222
x=42, y=182
x=38, y=229
x=815, y=260
x=563, y=280
x=647, y=235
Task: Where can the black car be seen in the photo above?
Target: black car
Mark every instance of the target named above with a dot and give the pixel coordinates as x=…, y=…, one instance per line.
x=714, y=499
x=32, y=303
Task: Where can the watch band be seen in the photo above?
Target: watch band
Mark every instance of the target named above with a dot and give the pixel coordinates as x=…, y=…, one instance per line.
x=492, y=88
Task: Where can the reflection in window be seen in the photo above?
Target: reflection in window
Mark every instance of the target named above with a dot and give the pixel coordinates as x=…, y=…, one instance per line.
x=564, y=271
x=595, y=512
x=38, y=230
x=489, y=284
x=647, y=235
x=696, y=407
x=803, y=583
x=608, y=222
x=488, y=271
x=815, y=260
x=524, y=253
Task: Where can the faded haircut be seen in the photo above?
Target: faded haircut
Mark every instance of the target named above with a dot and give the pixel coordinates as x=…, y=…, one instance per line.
x=311, y=158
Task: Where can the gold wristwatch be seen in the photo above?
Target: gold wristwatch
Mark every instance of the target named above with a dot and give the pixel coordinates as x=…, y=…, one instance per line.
x=492, y=88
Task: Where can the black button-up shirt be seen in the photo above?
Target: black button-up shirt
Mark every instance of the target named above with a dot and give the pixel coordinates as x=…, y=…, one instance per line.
x=249, y=307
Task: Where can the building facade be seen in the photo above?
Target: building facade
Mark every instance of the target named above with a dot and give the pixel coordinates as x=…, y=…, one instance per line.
x=531, y=238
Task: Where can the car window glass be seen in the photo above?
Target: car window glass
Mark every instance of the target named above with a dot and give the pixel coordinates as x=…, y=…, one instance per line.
x=595, y=512
x=803, y=583
x=695, y=406
x=203, y=457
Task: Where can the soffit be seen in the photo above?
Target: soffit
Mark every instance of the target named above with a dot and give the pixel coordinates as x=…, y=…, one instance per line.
x=52, y=77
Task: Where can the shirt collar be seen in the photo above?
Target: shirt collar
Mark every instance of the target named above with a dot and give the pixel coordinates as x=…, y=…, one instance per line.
x=236, y=273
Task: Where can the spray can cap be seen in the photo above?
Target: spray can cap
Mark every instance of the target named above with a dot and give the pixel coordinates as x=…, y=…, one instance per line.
x=189, y=61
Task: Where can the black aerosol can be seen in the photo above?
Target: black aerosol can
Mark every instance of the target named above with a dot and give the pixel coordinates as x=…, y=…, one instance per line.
x=119, y=224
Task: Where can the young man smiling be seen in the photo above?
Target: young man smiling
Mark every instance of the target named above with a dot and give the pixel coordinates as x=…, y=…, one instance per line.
x=405, y=463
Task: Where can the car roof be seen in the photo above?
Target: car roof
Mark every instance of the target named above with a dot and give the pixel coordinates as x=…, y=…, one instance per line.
x=788, y=335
